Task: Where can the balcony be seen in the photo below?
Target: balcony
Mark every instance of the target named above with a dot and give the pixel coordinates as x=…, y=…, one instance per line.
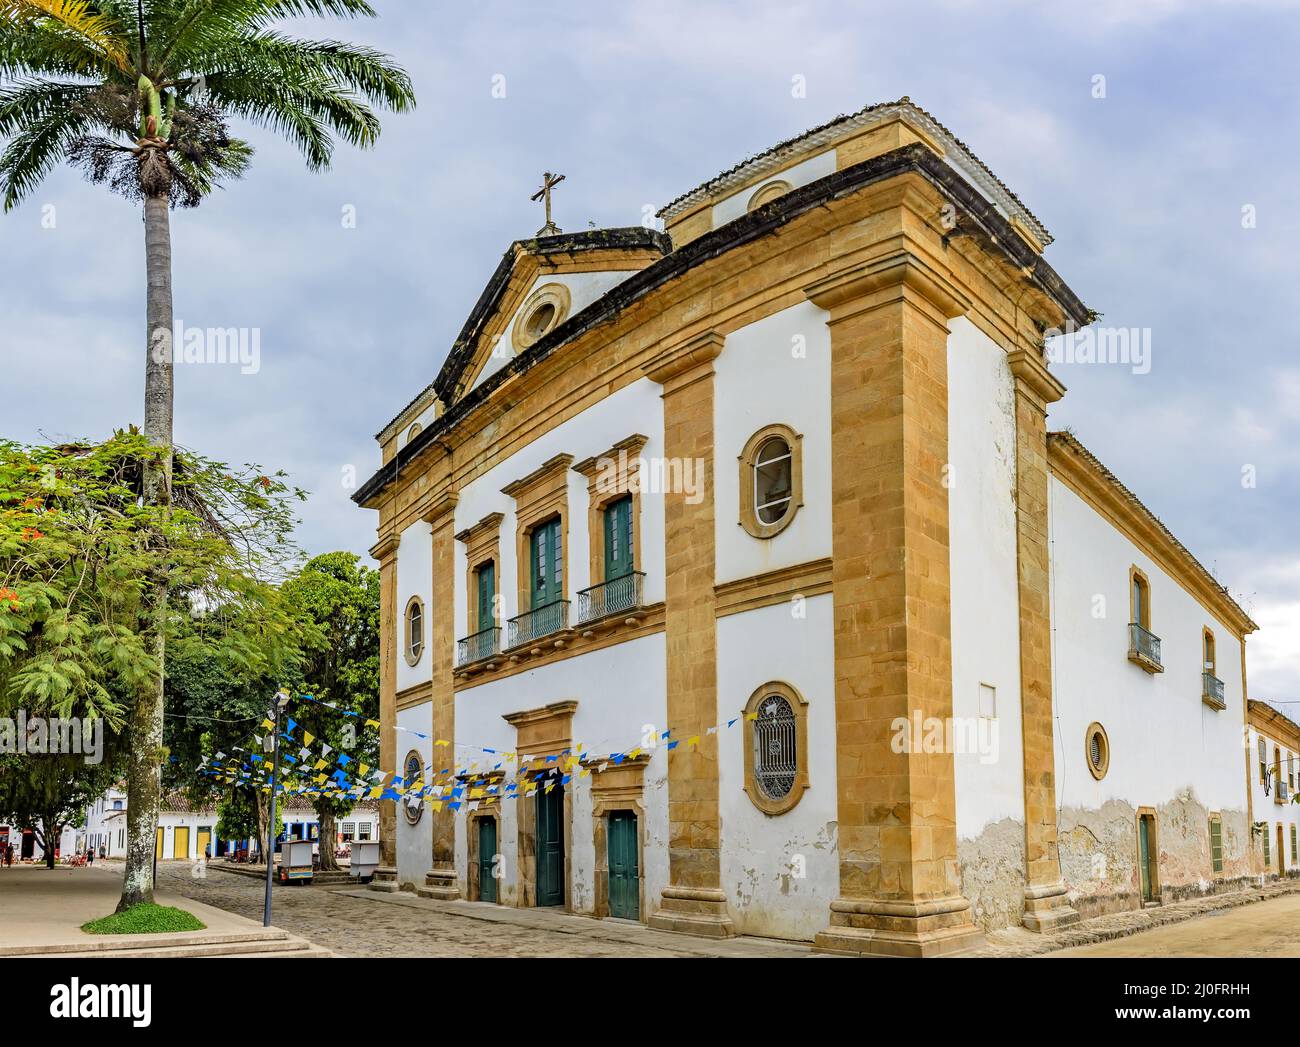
x=1144, y=648
x=480, y=646
x=542, y=621
x=1212, y=691
x=617, y=596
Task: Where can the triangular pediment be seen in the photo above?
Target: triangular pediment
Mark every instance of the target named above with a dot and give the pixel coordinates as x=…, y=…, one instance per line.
x=537, y=287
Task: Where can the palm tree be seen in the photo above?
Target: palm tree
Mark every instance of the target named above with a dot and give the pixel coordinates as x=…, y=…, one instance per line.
x=138, y=94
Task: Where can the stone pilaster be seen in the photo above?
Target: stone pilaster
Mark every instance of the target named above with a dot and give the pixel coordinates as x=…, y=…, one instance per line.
x=900, y=890
x=694, y=901
x=442, y=881
x=1046, y=906
x=385, y=551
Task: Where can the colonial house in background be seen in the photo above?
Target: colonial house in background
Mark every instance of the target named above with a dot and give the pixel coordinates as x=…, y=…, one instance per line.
x=752, y=535
x=187, y=832
x=1273, y=748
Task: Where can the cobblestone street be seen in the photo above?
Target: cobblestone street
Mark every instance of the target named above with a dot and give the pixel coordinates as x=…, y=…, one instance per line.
x=352, y=922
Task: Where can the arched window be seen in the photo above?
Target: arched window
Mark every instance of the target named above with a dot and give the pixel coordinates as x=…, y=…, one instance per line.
x=414, y=630
x=776, y=748
x=765, y=194
x=414, y=431
x=771, y=480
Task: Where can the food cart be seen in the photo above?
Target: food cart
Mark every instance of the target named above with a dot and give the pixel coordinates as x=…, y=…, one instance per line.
x=295, y=861
x=365, y=859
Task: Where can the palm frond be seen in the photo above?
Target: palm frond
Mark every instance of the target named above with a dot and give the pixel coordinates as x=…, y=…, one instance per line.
x=78, y=18
x=33, y=152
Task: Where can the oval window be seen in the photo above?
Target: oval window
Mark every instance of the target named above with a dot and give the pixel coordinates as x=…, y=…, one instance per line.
x=1097, y=747
x=771, y=483
x=414, y=630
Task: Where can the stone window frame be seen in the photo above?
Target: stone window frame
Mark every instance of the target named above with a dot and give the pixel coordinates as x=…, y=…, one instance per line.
x=1095, y=728
x=413, y=656
x=411, y=433
x=620, y=787
x=625, y=455
x=554, y=294
x=1136, y=574
x=482, y=544
x=799, y=706
x=419, y=806
x=540, y=496
x=767, y=192
x=747, y=459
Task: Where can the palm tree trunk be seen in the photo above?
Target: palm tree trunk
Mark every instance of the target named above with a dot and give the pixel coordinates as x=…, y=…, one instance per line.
x=144, y=766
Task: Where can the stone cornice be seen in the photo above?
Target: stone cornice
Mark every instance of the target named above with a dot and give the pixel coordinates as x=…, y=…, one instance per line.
x=1277, y=725
x=1076, y=467
x=439, y=506
x=487, y=525
x=1034, y=379
x=631, y=445
x=557, y=464
x=386, y=547
x=882, y=279
x=697, y=352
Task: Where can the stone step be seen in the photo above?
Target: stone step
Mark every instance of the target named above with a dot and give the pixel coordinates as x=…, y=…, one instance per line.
x=284, y=947
x=141, y=943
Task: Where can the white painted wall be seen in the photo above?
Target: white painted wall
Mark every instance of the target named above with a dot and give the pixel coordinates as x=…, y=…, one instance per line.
x=760, y=381
x=763, y=854
x=636, y=408
x=1163, y=738
x=797, y=175
x=415, y=842
x=618, y=689
x=982, y=562
x=1265, y=807
x=414, y=578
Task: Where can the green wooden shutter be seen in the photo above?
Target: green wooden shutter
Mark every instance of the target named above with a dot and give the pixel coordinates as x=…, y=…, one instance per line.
x=548, y=564
x=1216, y=844
x=618, y=539
x=487, y=590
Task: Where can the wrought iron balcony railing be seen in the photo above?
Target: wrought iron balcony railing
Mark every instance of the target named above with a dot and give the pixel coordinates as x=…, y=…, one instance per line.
x=616, y=596
x=541, y=621
x=1144, y=646
x=1212, y=690
x=482, y=644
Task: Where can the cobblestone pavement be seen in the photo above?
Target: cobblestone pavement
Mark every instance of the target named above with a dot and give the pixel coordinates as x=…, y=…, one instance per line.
x=352, y=922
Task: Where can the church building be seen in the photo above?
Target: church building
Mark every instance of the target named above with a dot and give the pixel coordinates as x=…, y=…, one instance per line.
x=733, y=581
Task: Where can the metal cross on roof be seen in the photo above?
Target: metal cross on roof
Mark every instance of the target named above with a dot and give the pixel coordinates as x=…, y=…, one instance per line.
x=549, y=182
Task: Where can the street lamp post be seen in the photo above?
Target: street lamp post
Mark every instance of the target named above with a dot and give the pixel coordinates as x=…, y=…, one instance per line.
x=281, y=700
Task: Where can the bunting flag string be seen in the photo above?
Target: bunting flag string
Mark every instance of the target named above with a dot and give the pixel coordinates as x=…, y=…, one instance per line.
x=324, y=770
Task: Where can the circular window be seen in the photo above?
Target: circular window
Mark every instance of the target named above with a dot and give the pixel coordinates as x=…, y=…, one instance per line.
x=543, y=311
x=413, y=806
x=414, y=630
x=1097, y=750
x=767, y=193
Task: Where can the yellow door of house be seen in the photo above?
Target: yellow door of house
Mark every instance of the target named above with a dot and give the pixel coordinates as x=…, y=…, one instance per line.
x=157, y=850
x=204, y=838
x=181, y=841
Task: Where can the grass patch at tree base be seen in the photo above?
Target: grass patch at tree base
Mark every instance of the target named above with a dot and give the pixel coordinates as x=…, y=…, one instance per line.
x=145, y=919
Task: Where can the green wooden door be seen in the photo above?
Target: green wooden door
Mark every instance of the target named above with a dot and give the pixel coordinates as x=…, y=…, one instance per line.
x=487, y=853
x=550, y=846
x=618, y=538
x=547, y=564
x=1144, y=857
x=487, y=590
x=624, y=876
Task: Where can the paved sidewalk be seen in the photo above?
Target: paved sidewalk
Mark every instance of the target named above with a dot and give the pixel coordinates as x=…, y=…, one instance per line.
x=589, y=929
x=1018, y=941
x=45, y=908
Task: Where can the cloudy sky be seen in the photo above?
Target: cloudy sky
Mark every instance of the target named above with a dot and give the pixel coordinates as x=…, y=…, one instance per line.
x=1144, y=189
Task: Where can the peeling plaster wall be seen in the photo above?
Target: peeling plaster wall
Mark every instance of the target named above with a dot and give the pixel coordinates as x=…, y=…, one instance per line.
x=1168, y=750
x=985, y=623
x=780, y=873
